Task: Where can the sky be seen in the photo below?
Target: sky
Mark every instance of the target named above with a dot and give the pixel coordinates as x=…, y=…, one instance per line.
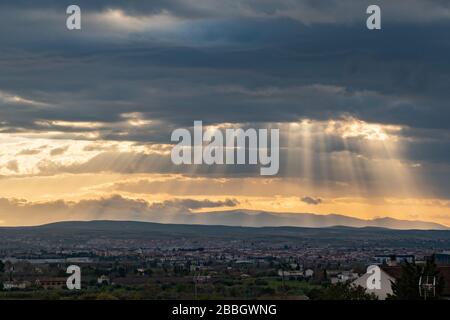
x=86, y=115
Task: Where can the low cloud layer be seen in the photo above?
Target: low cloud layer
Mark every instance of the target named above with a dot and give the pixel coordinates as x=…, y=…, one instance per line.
x=115, y=207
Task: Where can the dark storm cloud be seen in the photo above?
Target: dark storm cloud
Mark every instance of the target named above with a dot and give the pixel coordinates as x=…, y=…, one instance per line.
x=187, y=205
x=238, y=61
x=382, y=77
x=309, y=11
x=311, y=200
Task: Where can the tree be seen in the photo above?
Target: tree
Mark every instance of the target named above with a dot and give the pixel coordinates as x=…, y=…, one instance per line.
x=407, y=286
x=345, y=291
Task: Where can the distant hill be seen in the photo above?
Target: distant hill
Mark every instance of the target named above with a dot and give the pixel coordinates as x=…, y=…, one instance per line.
x=137, y=229
x=249, y=218
x=309, y=220
x=135, y=233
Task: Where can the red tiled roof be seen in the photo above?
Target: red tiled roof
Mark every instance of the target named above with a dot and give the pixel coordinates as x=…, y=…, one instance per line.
x=393, y=271
x=396, y=271
x=445, y=272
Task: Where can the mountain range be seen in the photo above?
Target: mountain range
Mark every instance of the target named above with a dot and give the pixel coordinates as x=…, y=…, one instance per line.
x=249, y=218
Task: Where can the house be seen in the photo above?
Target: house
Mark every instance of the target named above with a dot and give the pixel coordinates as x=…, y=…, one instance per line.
x=141, y=271
x=309, y=273
x=386, y=279
x=344, y=277
x=203, y=278
x=394, y=259
x=51, y=283
x=20, y=285
x=103, y=280
x=79, y=260
x=389, y=274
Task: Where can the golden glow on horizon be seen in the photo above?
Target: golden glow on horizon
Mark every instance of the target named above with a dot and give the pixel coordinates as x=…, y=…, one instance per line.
x=356, y=169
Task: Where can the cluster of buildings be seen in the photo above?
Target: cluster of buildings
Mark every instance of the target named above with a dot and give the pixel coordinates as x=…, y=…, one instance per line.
x=390, y=267
x=124, y=263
